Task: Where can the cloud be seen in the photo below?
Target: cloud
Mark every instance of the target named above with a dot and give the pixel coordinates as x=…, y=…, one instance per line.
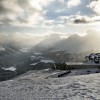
x=22, y=12
x=19, y=39
x=73, y=3
x=62, y=1
x=59, y=10
x=79, y=19
x=36, y=16
x=95, y=6
x=25, y=40
x=75, y=18
x=95, y=18
x=82, y=19
x=64, y=17
x=7, y=13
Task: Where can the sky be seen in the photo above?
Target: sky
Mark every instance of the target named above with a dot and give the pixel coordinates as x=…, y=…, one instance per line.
x=40, y=17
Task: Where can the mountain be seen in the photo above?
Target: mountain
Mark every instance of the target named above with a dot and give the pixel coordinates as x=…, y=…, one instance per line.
x=78, y=44
x=8, y=49
x=48, y=42
x=69, y=44
x=10, y=55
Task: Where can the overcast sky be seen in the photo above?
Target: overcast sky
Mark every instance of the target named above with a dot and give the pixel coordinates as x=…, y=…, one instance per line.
x=49, y=16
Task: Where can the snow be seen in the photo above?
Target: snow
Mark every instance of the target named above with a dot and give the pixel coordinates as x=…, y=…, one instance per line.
x=72, y=63
x=2, y=48
x=35, y=57
x=57, y=54
x=34, y=63
x=32, y=57
x=81, y=63
x=48, y=69
x=55, y=50
x=34, y=86
x=56, y=74
x=10, y=68
x=47, y=61
x=24, y=50
x=37, y=53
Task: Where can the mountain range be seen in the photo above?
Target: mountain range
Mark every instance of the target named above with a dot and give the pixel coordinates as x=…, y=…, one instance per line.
x=74, y=43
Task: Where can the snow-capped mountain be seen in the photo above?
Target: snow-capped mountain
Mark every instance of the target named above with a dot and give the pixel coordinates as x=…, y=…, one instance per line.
x=9, y=48
x=48, y=42
x=74, y=43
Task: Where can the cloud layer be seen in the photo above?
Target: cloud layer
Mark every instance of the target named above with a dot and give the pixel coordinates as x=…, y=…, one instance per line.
x=33, y=12
x=22, y=12
x=40, y=16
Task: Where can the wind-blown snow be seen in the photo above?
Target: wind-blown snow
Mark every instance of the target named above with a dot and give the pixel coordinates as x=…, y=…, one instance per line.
x=35, y=86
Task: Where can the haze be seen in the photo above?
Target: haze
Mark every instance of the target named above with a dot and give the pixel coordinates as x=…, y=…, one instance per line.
x=25, y=23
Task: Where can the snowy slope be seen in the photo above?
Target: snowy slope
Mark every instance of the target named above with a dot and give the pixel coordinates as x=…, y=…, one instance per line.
x=34, y=86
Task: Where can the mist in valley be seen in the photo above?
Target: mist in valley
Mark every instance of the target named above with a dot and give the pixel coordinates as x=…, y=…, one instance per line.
x=16, y=47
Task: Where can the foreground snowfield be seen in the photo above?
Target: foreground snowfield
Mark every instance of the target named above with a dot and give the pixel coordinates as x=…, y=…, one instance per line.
x=35, y=85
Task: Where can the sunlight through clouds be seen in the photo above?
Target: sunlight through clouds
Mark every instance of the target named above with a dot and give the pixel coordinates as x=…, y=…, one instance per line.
x=38, y=16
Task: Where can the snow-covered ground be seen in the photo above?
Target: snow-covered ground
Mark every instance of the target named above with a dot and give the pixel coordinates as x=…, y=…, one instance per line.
x=35, y=86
